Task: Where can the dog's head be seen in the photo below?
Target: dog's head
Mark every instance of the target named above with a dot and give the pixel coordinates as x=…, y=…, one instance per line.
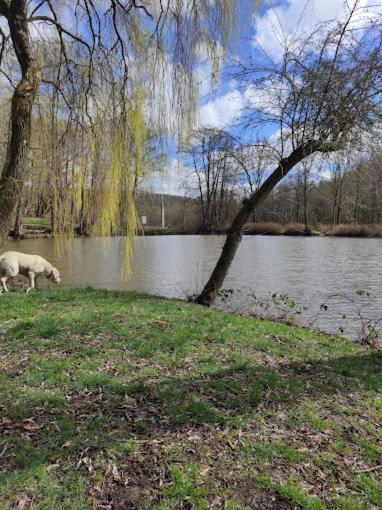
x=54, y=275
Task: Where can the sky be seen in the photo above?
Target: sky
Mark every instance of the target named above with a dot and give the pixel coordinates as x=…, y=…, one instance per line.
x=275, y=23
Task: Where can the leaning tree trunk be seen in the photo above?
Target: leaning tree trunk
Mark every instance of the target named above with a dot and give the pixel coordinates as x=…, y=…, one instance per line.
x=234, y=234
x=16, y=162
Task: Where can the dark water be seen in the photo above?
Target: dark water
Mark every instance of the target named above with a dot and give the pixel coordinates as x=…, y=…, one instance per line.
x=311, y=271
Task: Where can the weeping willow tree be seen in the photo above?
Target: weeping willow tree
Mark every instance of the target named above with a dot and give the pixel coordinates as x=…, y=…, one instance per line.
x=106, y=190
x=121, y=46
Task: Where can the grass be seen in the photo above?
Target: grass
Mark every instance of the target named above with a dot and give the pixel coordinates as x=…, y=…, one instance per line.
x=122, y=400
x=36, y=224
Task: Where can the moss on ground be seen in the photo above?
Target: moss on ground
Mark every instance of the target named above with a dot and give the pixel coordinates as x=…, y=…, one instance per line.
x=122, y=400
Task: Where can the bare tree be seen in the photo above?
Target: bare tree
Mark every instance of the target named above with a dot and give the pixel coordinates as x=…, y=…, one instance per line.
x=306, y=185
x=323, y=94
x=210, y=153
x=337, y=185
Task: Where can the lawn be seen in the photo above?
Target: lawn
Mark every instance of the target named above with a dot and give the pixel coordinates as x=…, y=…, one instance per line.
x=125, y=401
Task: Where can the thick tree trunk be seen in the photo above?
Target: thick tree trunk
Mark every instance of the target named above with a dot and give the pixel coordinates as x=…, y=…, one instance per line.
x=16, y=162
x=234, y=234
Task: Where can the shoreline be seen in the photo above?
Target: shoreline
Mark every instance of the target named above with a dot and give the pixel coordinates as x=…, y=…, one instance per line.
x=38, y=228
x=167, y=232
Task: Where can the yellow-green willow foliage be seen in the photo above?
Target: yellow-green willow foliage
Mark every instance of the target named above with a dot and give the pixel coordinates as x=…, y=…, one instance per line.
x=93, y=144
x=91, y=52
x=194, y=34
x=104, y=187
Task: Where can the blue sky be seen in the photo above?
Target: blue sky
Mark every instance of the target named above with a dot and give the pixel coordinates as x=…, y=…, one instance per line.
x=273, y=24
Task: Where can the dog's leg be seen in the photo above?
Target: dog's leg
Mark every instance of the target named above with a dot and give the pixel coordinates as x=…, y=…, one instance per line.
x=31, y=281
x=4, y=283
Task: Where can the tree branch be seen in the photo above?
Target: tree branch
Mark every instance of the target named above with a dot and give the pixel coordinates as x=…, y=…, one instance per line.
x=61, y=29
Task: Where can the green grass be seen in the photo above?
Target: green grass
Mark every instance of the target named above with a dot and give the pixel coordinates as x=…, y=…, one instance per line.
x=36, y=223
x=155, y=403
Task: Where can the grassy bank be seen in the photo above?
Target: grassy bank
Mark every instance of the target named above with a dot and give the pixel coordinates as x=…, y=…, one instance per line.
x=120, y=400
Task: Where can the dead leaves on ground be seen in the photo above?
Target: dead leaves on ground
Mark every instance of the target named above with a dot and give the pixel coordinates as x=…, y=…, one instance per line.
x=27, y=425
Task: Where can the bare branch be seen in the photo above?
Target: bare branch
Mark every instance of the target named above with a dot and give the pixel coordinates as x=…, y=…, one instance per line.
x=61, y=29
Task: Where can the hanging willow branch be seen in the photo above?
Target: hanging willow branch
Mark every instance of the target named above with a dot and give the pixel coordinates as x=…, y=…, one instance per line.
x=94, y=54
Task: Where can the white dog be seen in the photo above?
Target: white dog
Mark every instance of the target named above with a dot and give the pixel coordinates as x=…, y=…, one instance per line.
x=13, y=263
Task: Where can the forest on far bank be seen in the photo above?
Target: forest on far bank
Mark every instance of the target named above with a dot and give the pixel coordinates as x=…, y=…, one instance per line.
x=343, y=200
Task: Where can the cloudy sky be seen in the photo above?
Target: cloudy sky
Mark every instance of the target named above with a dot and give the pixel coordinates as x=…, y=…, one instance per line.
x=276, y=23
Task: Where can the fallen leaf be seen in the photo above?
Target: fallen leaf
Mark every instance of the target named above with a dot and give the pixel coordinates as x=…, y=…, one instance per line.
x=164, y=324
x=23, y=502
x=52, y=466
x=231, y=444
x=28, y=425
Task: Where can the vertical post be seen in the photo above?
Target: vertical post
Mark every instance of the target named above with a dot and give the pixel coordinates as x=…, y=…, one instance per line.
x=162, y=212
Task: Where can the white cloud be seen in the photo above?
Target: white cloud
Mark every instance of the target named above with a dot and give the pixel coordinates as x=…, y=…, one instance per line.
x=280, y=25
x=222, y=111
x=275, y=28
x=176, y=179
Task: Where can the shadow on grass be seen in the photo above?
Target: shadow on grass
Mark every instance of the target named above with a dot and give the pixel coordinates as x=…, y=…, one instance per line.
x=100, y=412
x=92, y=370
x=99, y=419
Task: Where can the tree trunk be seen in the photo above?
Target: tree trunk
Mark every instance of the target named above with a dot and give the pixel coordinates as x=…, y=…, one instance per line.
x=298, y=185
x=53, y=215
x=83, y=228
x=16, y=161
x=306, y=200
x=234, y=234
x=163, y=222
x=17, y=231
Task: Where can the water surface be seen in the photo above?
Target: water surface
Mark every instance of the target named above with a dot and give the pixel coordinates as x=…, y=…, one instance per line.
x=313, y=271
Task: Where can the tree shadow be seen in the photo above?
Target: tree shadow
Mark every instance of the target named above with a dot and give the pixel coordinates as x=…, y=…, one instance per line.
x=154, y=404
x=108, y=412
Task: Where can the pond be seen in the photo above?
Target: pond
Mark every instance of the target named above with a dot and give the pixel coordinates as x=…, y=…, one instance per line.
x=333, y=284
